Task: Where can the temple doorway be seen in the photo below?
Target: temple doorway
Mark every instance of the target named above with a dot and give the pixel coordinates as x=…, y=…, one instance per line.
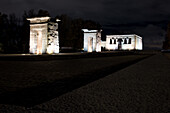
x=120, y=44
x=90, y=44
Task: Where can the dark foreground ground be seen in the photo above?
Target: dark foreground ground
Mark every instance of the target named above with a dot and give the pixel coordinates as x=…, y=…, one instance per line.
x=142, y=87
x=139, y=88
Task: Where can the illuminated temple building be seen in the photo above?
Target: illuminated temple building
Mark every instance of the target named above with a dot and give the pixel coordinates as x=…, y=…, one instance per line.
x=92, y=40
x=44, y=36
x=123, y=42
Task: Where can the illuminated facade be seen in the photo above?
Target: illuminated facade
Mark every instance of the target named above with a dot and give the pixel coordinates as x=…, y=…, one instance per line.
x=92, y=40
x=44, y=36
x=123, y=42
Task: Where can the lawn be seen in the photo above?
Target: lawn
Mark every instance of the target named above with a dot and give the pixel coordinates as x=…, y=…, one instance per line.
x=20, y=74
x=167, y=55
x=28, y=83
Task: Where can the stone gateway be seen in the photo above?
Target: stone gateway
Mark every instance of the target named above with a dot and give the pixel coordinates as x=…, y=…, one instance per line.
x=44, y=36
x=92, y=40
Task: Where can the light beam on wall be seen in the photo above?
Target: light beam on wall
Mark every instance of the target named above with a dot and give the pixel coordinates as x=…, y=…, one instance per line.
x=92, y=40
x=123, y=42
x=44, y=36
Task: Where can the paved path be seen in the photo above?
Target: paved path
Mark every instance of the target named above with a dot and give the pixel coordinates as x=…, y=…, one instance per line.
x=140, y=88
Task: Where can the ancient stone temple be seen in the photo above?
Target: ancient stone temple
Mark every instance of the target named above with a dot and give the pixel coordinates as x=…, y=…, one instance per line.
x=123, y=42
x=92, y=40
x=44, y=36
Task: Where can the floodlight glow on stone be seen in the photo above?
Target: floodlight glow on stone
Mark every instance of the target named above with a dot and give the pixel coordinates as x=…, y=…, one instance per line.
x=44, y=36
x=123, y=42
x=92, y=40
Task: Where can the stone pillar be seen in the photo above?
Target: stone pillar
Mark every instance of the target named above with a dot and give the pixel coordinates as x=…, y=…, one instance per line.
x=53, y=38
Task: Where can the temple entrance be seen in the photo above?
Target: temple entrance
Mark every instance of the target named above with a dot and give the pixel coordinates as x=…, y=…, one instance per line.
x=92, y=40
x=120, y=44
x=36, y=42
x=90, y=44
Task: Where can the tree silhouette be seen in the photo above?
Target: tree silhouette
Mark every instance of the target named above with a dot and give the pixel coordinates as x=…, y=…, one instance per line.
x=166, y=43
x=3, y=31
x=70, y=31
x=14, y=32
x=43, y=13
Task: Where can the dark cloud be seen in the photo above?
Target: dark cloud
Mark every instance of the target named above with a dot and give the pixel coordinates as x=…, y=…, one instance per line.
x=153, y=35
x=147, y=18
x=110, y=11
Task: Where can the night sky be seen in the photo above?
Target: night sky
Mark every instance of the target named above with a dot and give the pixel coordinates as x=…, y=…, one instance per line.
x=147, y=18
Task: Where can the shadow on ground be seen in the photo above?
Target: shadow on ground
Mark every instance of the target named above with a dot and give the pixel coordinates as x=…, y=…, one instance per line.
x=29, y=97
